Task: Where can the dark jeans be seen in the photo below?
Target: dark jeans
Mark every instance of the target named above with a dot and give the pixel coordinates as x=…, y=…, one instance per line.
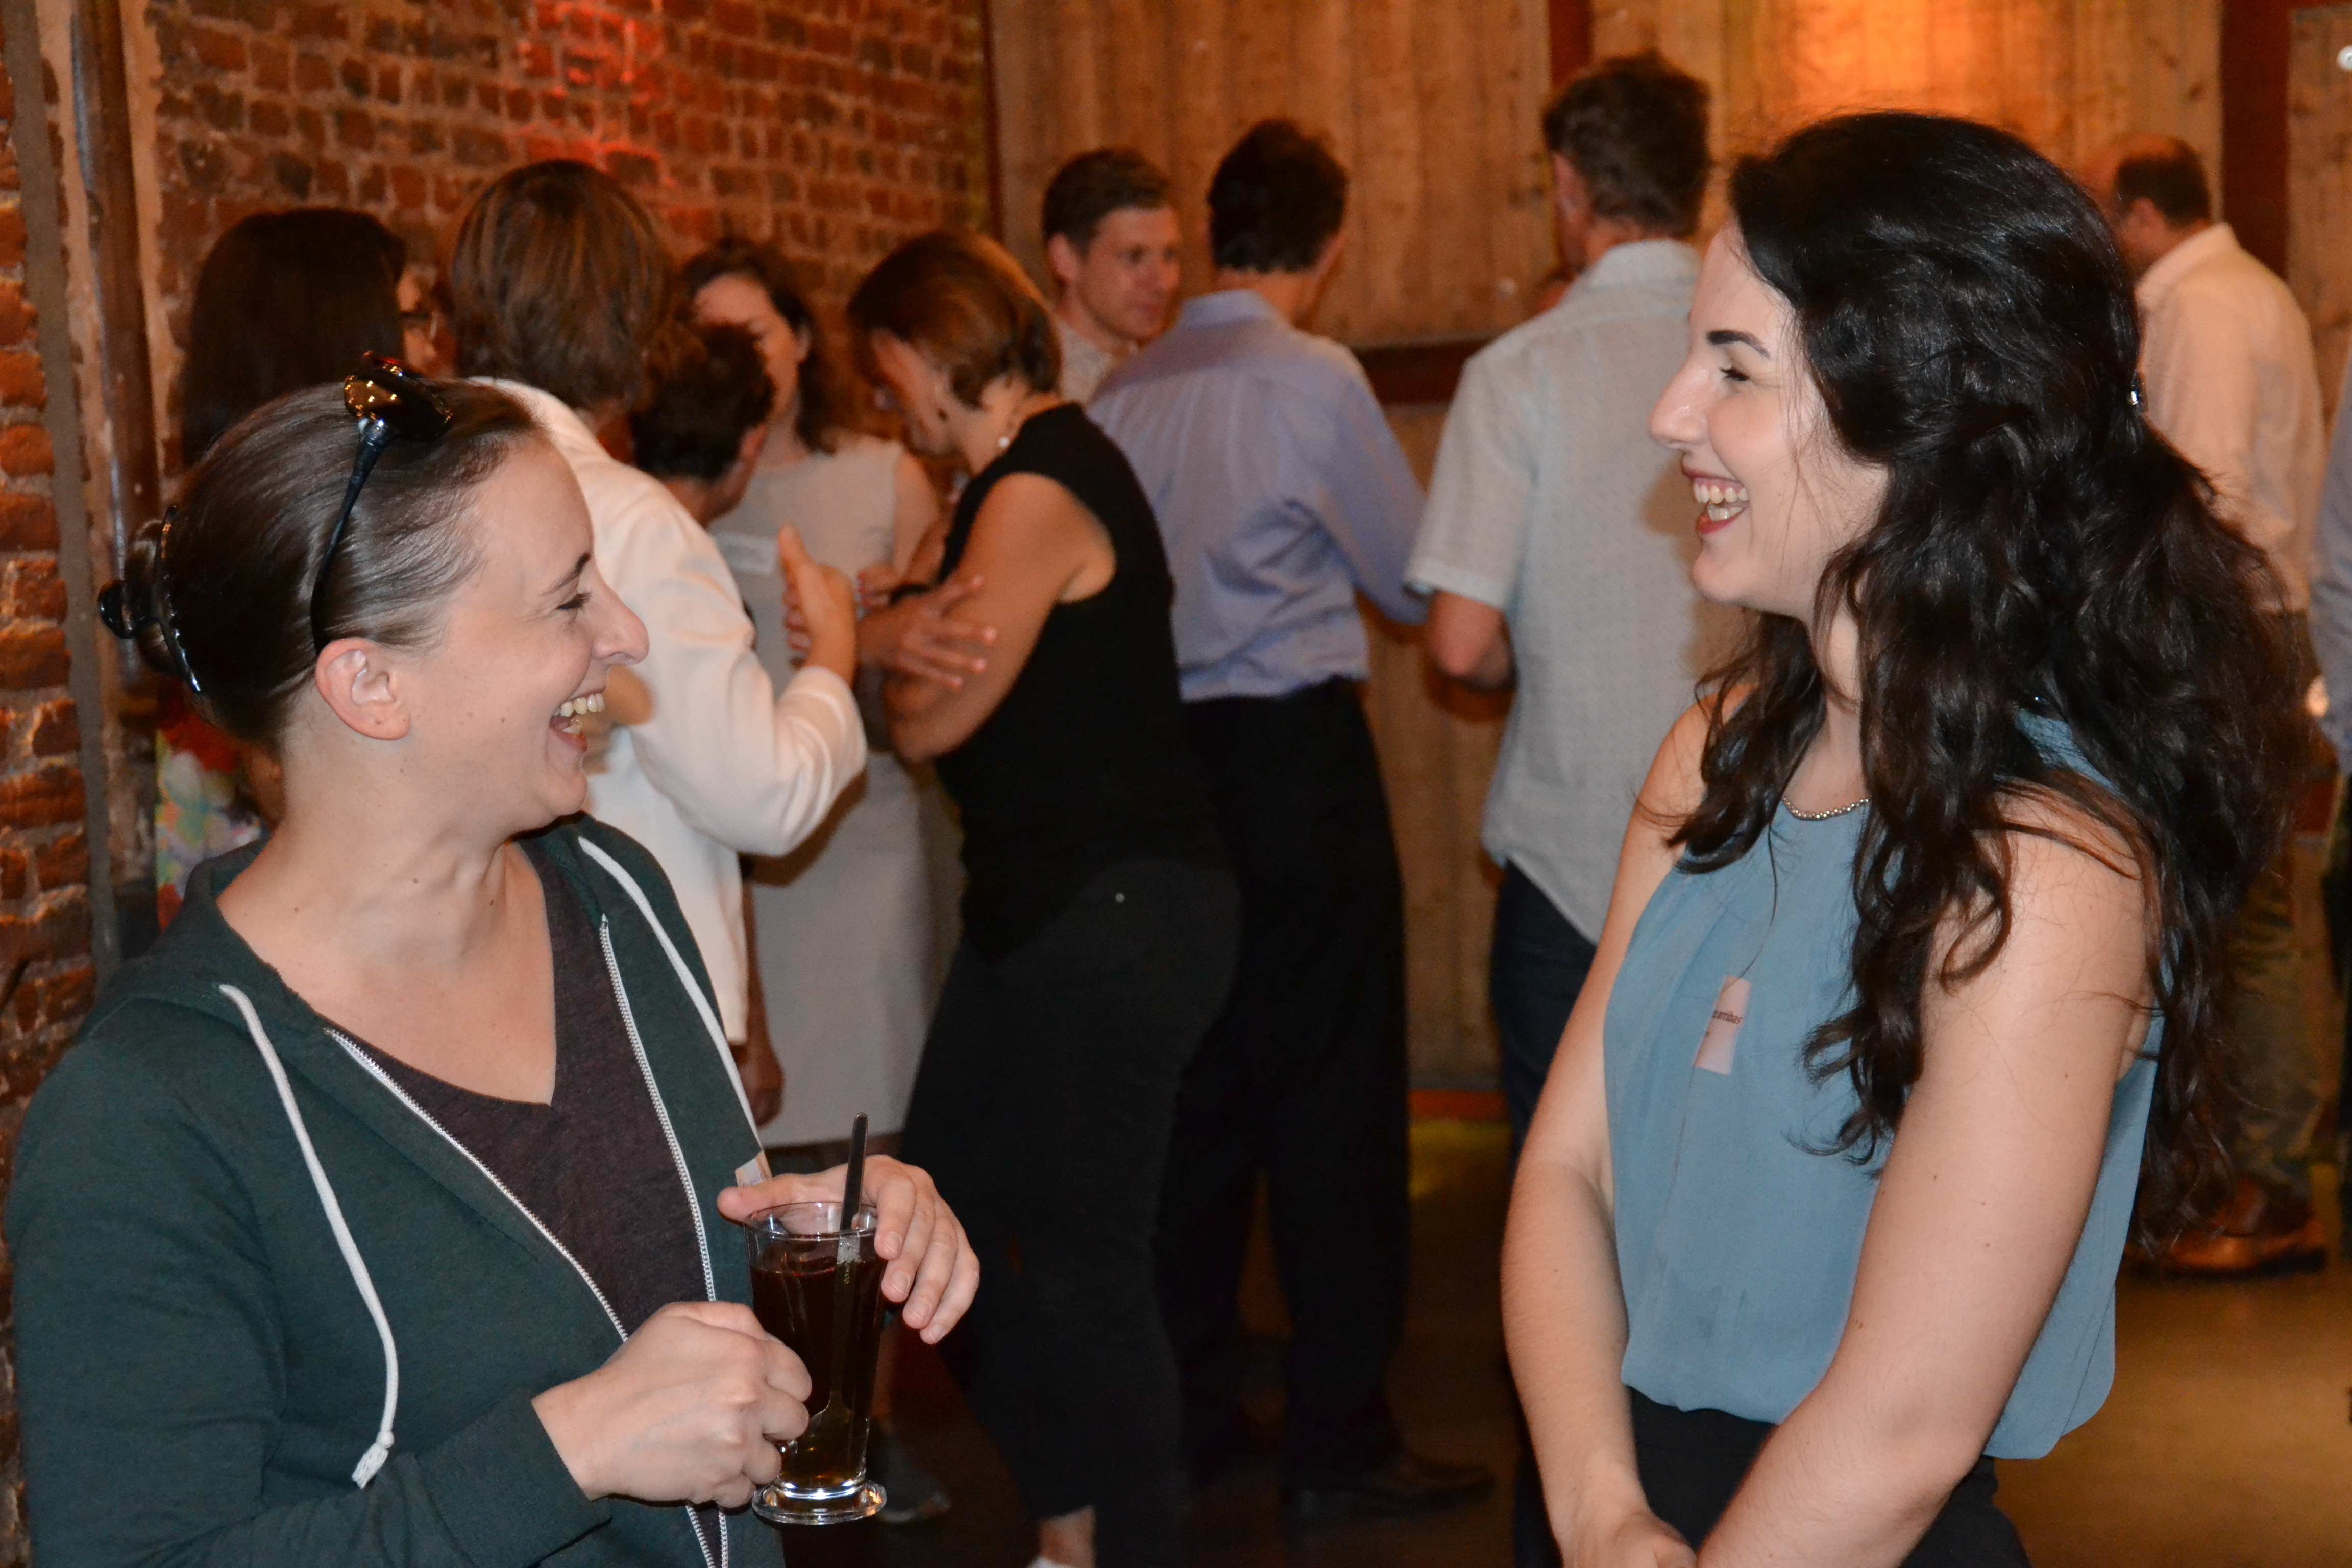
x=1042, y=1110
x=1534, y=976
x=1301, y=1081
x=1692, y=1461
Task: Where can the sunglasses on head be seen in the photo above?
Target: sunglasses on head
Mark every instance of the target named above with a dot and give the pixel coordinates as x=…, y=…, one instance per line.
x=391, y=401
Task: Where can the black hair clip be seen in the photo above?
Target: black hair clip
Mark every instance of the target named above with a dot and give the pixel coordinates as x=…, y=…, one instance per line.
x=116, y=615
x=127, y=620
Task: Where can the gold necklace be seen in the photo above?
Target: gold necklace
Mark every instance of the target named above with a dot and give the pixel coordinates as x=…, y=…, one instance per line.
x=1824, y=815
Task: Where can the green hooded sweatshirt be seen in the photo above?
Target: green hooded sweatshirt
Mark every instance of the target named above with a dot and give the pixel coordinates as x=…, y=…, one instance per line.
x=250, y=1336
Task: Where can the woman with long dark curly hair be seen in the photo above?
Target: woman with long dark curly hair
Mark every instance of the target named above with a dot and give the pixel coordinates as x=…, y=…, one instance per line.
x=1917, y=929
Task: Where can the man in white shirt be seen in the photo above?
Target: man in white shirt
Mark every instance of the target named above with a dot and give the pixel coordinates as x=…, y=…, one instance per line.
x=558, y=281
x=2226, y=353
x=1555, y=548
x=2227, y=365
x=1112, y=242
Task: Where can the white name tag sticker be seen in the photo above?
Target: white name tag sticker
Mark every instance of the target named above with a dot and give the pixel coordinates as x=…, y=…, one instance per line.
x=1714, y=1046
x=753, y=1170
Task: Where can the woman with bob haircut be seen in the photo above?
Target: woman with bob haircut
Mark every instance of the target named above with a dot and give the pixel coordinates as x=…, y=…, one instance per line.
x=375, y=1217
x=1098, y=918
x=1919, y=923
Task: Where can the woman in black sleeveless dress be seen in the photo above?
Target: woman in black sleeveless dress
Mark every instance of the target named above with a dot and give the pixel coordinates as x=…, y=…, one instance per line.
x=1100, y=921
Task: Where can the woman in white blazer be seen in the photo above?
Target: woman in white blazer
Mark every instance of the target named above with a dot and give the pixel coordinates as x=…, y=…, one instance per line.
x=558, y=281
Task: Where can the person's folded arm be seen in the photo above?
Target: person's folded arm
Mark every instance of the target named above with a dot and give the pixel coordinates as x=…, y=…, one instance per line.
x=1030, y=544
x=1979, y=1211
x=1563, y=1304
x=151, y=1369
x=754, y=768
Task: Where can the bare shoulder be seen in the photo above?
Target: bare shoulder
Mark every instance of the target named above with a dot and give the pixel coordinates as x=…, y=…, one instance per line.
x=1033, y=530
x=1674, y=787
x=2065, y=861
x=1035, y=509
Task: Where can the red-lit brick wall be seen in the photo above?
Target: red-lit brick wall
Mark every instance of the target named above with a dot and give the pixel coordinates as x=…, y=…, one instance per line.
x=45, y=977
x=836, y=127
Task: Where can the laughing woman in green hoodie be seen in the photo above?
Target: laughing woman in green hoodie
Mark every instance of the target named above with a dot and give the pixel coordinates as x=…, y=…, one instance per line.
x=376, y=1217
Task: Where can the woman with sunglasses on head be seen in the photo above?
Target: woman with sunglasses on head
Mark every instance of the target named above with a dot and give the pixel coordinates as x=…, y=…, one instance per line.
x=376, y=1216
x=1919, y=924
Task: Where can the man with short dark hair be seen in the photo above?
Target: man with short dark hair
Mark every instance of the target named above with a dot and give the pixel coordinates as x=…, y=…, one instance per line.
x=1282, y=493
x=1112, y=242
x=2229, y=378
x=702, y=419
x=1556, y=548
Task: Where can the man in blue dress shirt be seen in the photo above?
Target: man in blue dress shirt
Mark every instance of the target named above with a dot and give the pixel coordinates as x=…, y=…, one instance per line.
x=1282, y=494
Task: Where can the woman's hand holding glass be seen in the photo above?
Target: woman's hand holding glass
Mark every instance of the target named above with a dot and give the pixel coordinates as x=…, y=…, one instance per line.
x=690, y=1409
x=932, y=1269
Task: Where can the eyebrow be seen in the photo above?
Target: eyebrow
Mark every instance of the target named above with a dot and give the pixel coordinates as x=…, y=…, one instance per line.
x=572, y=576
x=1723, y=338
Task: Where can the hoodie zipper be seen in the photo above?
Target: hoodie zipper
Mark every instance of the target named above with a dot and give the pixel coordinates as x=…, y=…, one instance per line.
x=685, y=1180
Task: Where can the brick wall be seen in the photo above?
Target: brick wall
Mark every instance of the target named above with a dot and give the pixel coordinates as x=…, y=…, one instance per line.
x=836, y=127
x=45, y=977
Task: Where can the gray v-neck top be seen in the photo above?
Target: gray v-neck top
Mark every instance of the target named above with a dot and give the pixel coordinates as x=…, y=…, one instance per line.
x=1738, y=1238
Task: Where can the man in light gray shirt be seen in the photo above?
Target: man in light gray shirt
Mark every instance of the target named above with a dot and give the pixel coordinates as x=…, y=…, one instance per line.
x=1557, y=535
x=1555, y=547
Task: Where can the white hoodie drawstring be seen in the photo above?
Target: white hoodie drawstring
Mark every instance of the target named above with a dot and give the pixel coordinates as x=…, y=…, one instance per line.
x=685, y=975
x=380, y=1450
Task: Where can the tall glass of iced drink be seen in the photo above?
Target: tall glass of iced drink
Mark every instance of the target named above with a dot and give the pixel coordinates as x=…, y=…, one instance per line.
x=817, y=1286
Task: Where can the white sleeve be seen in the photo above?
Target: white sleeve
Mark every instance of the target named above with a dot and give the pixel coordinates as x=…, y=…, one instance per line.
x=1474, y=531
x=746, y=765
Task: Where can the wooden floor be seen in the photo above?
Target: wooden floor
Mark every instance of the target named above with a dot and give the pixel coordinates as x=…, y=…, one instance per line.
x=2227, y=1442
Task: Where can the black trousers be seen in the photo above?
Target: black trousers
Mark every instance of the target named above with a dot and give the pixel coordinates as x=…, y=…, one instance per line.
x=1301, y=1081
x=1692, y=1461
x=1042, y=1110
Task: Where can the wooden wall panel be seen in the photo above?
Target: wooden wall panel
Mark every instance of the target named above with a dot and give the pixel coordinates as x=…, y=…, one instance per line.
x=1437, y=745
x=2319, y=184
x=2069, y=75
x=1434, y=109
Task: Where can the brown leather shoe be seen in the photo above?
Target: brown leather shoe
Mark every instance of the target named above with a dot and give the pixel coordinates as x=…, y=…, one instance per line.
x=2260, y=1231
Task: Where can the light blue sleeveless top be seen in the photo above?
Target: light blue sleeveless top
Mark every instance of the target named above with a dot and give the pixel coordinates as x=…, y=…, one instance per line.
x=1736, y=1237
